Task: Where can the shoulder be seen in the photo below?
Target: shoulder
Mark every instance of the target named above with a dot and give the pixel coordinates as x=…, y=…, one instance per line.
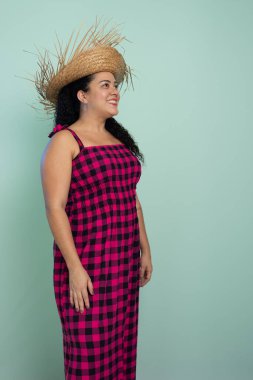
x=62, y=137
x=61, y=144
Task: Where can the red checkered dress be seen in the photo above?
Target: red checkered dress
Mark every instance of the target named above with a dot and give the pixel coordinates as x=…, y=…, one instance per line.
x=101, y=343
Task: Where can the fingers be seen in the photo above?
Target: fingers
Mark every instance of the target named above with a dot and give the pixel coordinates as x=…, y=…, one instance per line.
x=71, y=297
x=76, y=301
x=86, y=298
x=80, y=299
x=142, y=274
x=145, y=275
x=90, y=286
x=148, y=274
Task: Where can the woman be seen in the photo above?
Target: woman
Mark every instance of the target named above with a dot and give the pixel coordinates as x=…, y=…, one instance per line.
x=89, y=173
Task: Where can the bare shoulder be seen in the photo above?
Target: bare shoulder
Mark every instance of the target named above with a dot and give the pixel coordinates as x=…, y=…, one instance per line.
x=61, y=145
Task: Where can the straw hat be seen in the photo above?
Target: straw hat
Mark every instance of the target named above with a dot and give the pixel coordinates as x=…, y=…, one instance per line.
x=94, y=53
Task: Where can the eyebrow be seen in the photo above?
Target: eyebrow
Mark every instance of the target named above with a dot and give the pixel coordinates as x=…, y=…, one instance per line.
x=106, y=80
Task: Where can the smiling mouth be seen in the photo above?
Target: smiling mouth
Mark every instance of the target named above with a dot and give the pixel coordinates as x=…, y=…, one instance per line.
x=114, y=103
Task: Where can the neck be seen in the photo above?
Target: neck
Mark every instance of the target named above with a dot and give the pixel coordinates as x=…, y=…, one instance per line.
x=91, y=123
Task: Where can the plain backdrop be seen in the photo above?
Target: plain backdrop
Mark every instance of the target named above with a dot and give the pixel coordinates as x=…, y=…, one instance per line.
x=191, y=115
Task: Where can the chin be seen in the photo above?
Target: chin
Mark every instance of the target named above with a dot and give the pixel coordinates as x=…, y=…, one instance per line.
x=116, y=112
x=111, y=114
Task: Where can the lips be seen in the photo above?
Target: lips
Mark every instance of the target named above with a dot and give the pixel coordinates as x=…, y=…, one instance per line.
x=113, y=101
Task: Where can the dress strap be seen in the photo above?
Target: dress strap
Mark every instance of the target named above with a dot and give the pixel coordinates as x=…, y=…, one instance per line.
x=60, y=127
x=57, y=128
x=81, y=146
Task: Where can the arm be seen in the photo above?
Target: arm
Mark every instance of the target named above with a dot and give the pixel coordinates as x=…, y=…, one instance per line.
x=146, y=267
x=56, y=166
x=145, y=248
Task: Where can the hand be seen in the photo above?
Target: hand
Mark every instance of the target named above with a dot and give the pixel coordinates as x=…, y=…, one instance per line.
x=79, y=282
x=146, y=268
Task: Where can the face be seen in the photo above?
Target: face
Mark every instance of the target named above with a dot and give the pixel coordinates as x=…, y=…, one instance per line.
x=103, y=95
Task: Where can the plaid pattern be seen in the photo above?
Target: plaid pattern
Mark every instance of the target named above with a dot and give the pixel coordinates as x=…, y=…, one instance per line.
x=101, y=343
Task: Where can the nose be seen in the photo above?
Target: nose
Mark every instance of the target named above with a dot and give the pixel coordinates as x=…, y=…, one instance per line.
x=115, y=91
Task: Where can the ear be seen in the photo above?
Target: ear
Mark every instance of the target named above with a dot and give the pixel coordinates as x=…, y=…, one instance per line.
x=82, y=97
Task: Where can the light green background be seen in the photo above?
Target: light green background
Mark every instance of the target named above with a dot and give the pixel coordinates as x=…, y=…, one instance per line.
x=191, y=114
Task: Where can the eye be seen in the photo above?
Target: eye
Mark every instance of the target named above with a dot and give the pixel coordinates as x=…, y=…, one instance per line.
x=107, y=84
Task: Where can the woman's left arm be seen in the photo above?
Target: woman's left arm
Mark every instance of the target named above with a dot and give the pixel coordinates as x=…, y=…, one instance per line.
x=146, y=267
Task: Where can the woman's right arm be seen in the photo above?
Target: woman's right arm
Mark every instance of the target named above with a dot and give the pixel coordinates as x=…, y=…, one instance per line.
x=56, y=167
